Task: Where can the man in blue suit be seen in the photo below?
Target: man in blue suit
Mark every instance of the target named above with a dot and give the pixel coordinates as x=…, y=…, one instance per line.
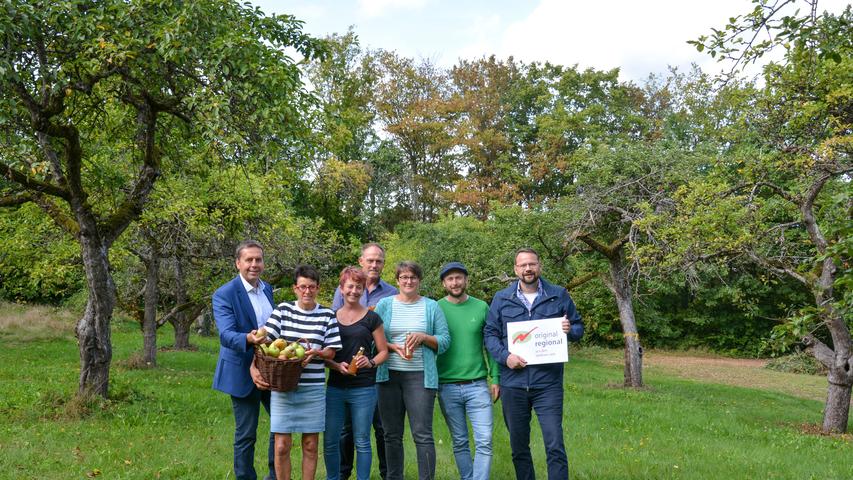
x=239, y=308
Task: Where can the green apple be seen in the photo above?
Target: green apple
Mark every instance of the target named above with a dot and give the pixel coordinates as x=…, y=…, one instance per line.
x=289, y=350
x=261, y=334
x=300, y=352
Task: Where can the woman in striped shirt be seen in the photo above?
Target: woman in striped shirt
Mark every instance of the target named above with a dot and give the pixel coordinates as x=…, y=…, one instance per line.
x=417, y=332
x=304, y=409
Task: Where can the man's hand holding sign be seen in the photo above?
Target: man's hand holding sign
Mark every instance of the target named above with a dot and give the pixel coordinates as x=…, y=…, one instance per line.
x=537, y=341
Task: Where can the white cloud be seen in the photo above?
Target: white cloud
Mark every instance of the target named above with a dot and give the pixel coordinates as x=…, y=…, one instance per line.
x=483, y=31
x=640, y=37
x=375, y=8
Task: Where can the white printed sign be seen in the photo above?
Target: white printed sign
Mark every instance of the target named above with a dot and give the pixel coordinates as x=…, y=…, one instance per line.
x=538, y=341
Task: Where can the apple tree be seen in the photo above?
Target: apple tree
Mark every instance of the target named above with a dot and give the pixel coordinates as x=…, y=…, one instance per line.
x=95, y=95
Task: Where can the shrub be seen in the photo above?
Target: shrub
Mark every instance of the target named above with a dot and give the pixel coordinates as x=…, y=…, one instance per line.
x=797, y=362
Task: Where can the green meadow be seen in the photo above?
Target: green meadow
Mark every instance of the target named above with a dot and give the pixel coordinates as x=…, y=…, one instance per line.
x=166, y=422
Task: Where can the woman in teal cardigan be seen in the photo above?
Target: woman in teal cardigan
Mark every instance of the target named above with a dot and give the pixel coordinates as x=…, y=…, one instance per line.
x=408, y=381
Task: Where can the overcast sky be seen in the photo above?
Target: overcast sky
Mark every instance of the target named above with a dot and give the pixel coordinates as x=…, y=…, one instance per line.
x=638, y=36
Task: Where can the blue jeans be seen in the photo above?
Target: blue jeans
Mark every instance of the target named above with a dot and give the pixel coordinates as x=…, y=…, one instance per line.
x=347, y=446
x=246, y=411
x=457, y=400
x=360, y=403
x=548, y=403
x=404, y=394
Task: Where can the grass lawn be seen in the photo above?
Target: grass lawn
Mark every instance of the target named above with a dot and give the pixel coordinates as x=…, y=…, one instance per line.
x=167, y=422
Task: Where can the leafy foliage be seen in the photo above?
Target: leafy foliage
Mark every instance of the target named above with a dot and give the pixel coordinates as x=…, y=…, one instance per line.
x=36, y=263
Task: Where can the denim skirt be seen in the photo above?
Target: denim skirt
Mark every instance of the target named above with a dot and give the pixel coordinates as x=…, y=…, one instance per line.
x=300, y=411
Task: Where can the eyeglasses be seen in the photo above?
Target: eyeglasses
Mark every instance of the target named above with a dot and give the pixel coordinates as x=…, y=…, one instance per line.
x=306, y=288
x=528, y=265
x=407, y=278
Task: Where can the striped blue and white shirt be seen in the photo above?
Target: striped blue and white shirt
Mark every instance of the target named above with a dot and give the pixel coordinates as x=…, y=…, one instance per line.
x=408, y=317
x=318, y=326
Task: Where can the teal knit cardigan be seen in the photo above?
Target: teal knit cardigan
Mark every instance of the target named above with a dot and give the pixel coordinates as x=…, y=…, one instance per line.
x=436, y=326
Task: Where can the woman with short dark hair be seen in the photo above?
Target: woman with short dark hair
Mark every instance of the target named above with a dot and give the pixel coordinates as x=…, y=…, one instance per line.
x=416, y=332
x=302, y=410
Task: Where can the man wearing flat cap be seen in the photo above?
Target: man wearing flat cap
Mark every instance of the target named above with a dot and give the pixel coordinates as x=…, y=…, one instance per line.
x=467, y=375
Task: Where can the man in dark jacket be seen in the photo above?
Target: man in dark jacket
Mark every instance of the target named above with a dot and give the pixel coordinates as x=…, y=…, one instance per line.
x=531, y=387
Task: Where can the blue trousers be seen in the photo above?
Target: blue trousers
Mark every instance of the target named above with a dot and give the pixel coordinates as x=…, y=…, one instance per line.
x=461, y=402
x=246, y=411
x=348, y=445
x=518, y=403
x=359, y=404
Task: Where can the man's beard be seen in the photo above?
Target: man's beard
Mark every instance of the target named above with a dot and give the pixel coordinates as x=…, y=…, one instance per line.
x=532, y=282
x=461, y=293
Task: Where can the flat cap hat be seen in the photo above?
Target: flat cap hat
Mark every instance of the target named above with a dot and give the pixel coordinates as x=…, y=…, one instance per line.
x=452, y=266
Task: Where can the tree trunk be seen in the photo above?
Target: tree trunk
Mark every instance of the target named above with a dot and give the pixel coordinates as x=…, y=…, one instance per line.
x=181, y=321
x=621, y=288
x=205, y=326
x=837, y=410
x=839, y=359
x=182, y=335
x=93, y=330
x=149, y=320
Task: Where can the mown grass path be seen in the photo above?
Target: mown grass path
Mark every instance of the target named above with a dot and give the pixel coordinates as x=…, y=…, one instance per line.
x=708, y=368
x=168, y=423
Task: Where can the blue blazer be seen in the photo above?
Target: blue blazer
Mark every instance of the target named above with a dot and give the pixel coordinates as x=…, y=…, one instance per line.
x=235, y=317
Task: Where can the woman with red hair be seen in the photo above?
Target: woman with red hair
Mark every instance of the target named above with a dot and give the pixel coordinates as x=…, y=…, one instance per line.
x=352, y=388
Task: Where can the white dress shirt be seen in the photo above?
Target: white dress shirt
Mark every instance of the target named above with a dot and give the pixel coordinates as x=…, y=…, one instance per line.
x=260, y=302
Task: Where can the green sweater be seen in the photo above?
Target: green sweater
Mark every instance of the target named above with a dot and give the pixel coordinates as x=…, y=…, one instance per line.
x=466, y=359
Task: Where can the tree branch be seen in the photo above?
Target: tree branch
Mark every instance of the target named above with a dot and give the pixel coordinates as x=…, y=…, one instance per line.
x=53, y=158
x=578, y=281
x=33, y=184
x=58, y=215
x=594, y=244
x=819, y=350
x=781, y=270
x=807, y=210
x=503, y=278
x=607, y=250
x=176, y=310
x=14, y=200
x=756, y=185
x=132, y=206
x=778, y=191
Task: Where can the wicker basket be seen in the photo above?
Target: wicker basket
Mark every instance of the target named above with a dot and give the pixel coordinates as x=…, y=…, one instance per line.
x=282, y=375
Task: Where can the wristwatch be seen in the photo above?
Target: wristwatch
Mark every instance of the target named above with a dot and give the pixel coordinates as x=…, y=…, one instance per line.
x=372, y=363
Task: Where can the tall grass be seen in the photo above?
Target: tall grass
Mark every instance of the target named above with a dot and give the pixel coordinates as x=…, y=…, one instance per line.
x=167, y=422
